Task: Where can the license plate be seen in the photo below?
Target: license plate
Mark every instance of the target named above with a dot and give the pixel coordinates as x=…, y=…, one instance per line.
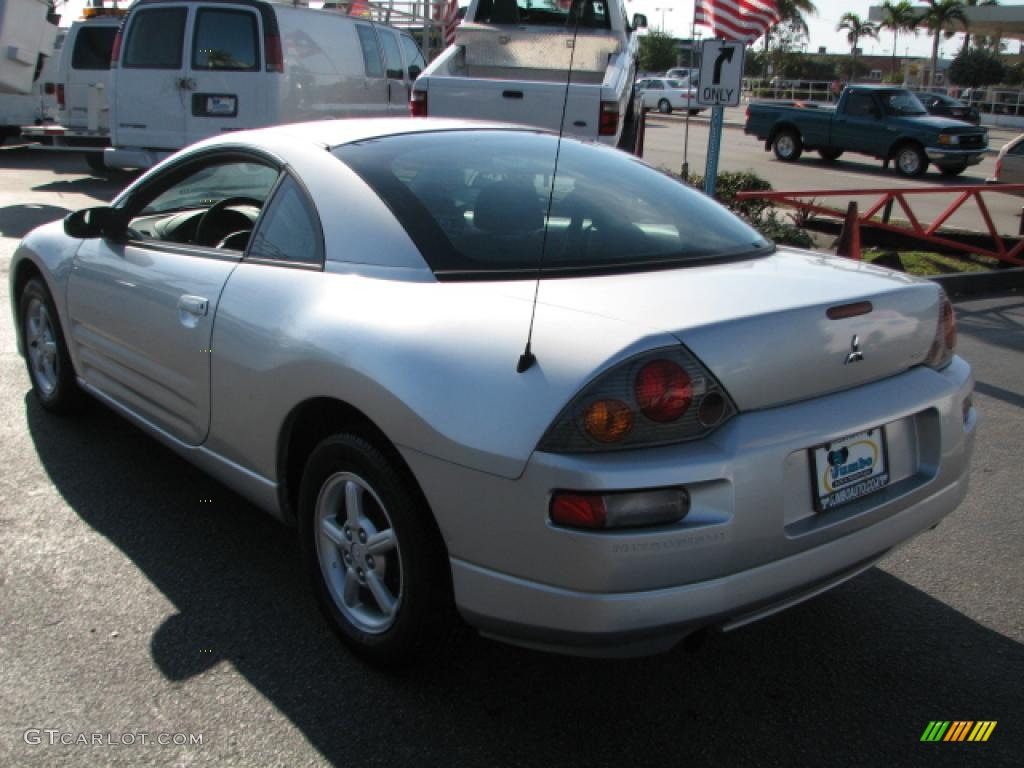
x=221, y=105
x=849, y=468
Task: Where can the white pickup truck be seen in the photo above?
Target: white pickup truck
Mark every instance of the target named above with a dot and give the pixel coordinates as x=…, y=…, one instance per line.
x=511, y=62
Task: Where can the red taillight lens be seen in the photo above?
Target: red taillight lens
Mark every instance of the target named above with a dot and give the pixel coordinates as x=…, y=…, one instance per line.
x=663, y=391
x=60, y=95
x=578, y=510
x=115, y=51
x=418, y=104
x=275, y=57
x=608, y=123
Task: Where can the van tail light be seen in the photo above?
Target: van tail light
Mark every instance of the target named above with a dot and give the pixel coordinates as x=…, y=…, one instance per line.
x=275, y=56
x=60, y=95
x=944, y=344
x=418, y=104
x=115, y=50
x=608, y=123
x=660, y=397
x=620, y=509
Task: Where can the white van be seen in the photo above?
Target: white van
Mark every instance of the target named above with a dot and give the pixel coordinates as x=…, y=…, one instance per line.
x=187, y=70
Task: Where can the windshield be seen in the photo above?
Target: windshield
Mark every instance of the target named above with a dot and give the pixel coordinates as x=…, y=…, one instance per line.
x=591, y=13
x=476, y=202
x=902, y=103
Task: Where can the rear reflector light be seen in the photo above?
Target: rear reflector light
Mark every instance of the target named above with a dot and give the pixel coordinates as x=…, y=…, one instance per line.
x=628, y=509
x=115, y=51
x=418, y=104
x=60, y=95
x=663, y=391
x=275, y=57
x=608, y=123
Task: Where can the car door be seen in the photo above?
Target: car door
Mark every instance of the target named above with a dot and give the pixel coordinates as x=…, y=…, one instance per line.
x=394, y=72
x=413, y=57
x=149, y=102
x=376, y=100
x=142, y=308
x=227, y=85
x=1012, y=167
x=861, y=126
x=653, y=93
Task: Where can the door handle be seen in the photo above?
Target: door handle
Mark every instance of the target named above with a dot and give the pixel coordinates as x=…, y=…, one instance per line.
x=194, y=305
x=186, y=84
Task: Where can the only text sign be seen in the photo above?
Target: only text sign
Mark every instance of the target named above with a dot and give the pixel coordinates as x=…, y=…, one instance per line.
x=721, y=73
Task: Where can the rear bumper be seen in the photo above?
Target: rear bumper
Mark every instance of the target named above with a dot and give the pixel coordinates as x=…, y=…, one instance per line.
x=133, y=158
x=751, y=545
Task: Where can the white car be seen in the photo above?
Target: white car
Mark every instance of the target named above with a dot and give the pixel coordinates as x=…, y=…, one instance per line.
x=1010, y=163
x=665, y=94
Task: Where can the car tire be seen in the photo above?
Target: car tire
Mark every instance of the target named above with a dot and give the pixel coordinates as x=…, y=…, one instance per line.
x=376, y=560
x=46, y=353
x=693, y=112
x=95, y=162
x=787, y=146
x=952, y=170
x=910, y=160
x=830, y=155
x=665, y=107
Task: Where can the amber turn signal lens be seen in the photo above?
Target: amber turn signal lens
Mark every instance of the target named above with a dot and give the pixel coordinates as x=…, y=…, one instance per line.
x=608, y=421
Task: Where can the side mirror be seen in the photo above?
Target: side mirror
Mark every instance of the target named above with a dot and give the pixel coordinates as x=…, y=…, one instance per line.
x=414, y=72
x=639, y=21
x=96, y=222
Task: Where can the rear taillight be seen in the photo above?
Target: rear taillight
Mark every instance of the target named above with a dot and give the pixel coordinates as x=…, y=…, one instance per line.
x=60, y=95
x=608, y=123
x=944, y=343
x=418, y=104
x=115, y=50
x=623, y=509
x=661, y=397
x=275, y=57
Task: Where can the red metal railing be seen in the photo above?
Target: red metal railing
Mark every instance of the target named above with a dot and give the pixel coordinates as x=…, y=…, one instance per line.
x=926, y=232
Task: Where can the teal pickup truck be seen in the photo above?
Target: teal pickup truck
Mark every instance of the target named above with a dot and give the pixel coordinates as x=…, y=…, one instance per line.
x=884, y=122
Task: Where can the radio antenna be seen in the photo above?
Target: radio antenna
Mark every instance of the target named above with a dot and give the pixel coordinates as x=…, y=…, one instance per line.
x=527, y=359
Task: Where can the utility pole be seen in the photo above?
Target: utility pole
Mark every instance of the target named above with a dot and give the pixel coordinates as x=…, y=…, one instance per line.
x=663, y=16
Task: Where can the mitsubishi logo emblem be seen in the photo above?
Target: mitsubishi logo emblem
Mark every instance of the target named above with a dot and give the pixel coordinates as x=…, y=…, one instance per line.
x=855, y=355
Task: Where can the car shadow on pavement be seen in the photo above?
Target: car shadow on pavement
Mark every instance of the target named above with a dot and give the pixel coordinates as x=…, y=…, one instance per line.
x=19, y=220
x=852, y=677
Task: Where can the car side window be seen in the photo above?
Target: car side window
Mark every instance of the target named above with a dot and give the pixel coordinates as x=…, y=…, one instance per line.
x=225, y=40
x=1017, y=149
x=290, y=229
x=860, y=105
x=656, y=85
x=392, y=56
x=215, y=205
x=371, y=51
x=155, y=39
x=414, y=60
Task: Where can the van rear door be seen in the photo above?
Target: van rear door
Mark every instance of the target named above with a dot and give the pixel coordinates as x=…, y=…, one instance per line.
x=87, y=80
x=226, y=71
x=148, y=106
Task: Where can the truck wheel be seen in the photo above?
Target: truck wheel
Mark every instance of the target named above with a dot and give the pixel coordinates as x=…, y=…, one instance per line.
x=911, y=161
x=693, y=112
x=830, y=154
x=787, y=146
x=95, y=162
x=664, y=107
x=952, y=170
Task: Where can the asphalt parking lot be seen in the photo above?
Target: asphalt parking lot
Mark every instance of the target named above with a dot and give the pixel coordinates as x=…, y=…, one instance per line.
x=138, y=596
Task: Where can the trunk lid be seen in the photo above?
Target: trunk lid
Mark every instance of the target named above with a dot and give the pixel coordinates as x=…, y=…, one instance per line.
x=762, y=326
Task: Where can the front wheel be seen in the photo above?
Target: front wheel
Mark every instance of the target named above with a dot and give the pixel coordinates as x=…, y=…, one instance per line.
x=46, y=353
x=665, y=107
x=952, y=170
x=911, y=161
x=376, y=560
x=787, y=146
x=693, y=112
x=95, y=162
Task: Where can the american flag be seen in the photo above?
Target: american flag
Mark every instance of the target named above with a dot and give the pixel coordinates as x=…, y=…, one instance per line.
x=450, y=20
x=743, y=20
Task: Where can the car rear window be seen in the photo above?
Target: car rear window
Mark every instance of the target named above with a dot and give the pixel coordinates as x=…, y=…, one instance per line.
x=476, y=203
x=92, y=48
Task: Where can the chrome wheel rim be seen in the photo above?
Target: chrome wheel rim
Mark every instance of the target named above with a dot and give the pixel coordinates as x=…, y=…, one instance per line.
x=909, y=161
x=785, y=145
x=41, y=341
x=358, y=553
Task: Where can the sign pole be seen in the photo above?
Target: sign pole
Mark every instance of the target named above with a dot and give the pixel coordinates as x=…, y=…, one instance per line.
x=714, y=145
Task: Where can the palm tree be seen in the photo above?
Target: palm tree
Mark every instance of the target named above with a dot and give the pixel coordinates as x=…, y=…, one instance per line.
x=793, y=12
x=899, y=17
x=973, y=4
x=855, y=29
x=941, y=17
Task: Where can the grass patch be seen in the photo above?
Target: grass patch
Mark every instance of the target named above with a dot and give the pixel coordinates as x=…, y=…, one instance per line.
x=929, y=263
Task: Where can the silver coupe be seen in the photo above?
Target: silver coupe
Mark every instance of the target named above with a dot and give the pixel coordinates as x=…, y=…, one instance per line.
x=333, y=319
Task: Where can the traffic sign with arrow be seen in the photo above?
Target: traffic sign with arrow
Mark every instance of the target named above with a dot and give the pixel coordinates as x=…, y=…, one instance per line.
x=721, y=73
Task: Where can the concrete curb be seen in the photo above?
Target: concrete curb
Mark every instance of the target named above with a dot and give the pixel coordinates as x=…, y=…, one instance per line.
x=976, y=283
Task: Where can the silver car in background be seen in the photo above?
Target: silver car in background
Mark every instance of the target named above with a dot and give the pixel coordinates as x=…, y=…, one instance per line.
x=666, y=94
x=332, y=319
